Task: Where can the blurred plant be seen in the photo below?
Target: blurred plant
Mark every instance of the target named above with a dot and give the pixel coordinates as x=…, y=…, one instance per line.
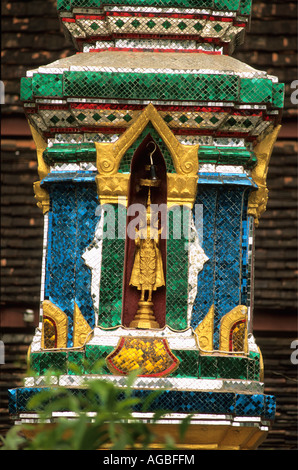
x=99, y=415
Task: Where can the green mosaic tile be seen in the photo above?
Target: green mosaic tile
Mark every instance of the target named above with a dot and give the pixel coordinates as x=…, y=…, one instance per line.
x=224, y=5
x=81, y=117
x=127, y=118
x=135, y=23
x=96, y=117
x=125, y=163
x=227, y=156
x=227, y=367
x=70, y=153
x=182, y=25
x=151, y=24
x=189, y=363
x=256, y=90
x=26, y=92
x=245, y=7
x=198, y=27
x=42, y=362
x=208, y=367
x=232, y=368
x=47, y=85
x=211, y=87
x=119, y=23
x=217, y=28
x=166, y=24
x=35, y=363
x=227, y=4
x=75, y=362
x=254, y=366
x=278, y=95
x=94, y=26
x=95, y=355
x=200, y=87
x=111, y=283
x=177, y=272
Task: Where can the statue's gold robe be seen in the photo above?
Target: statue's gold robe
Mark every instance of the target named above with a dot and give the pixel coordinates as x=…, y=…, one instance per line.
x=147, y=272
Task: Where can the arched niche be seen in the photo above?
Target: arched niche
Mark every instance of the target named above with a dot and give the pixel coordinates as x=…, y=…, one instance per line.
x=138, y=194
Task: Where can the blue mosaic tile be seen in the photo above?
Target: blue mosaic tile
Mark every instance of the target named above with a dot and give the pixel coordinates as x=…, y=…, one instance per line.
x=227, y=255
x=204, y=298
x=257, y=405
x=72, y=222
x=87, y=202
x=250, y=405
x=270, y=406
x=12, y=401
x=223, y=280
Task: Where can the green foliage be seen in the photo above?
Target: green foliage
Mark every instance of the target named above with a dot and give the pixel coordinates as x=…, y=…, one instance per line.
x=99, y=416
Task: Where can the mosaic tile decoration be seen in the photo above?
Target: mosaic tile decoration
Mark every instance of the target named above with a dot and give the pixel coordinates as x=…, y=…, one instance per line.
x=70, y=229
x=177, y=86
x=208, y=116
x=198, y=120
x=223, y=211
x=179, y=402
x=243, y=6
x=185, y=23
x=98, y=93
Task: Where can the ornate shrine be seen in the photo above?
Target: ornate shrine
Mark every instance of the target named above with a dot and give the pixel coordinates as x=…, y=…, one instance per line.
x=153, y=146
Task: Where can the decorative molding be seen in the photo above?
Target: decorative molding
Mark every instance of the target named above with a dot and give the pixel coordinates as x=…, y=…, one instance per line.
x=42, y=197
x=257, y=202
x=109, y=155
x=61, y=321
x=113, y=189
x=204, y=332
x=181, y=190
x=152, y=357
x=41, y=145
x=181, y=186
x=236, y=314
x=81, y=329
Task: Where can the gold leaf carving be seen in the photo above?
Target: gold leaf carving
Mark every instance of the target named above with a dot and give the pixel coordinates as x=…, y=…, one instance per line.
x=41, y=145
x=81, y=329
x=61, y=321
x=109, y=155
x=42, y=197
x=236, y=314
x=204, y=332
x=258, y=199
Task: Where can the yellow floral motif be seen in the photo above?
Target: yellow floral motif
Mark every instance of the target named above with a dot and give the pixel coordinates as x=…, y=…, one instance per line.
x=150, y=355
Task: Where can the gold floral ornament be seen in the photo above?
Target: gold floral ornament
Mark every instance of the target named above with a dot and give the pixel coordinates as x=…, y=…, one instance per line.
x=151, y=355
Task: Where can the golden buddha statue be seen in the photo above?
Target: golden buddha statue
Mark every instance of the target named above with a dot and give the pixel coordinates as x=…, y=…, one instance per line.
x=147, y=272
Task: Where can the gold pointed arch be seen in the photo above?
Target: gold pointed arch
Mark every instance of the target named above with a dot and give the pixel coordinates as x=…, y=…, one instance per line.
x=109, y=155
x=112, y=185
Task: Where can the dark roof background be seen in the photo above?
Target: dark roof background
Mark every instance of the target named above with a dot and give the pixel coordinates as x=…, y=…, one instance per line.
x=32, y=36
